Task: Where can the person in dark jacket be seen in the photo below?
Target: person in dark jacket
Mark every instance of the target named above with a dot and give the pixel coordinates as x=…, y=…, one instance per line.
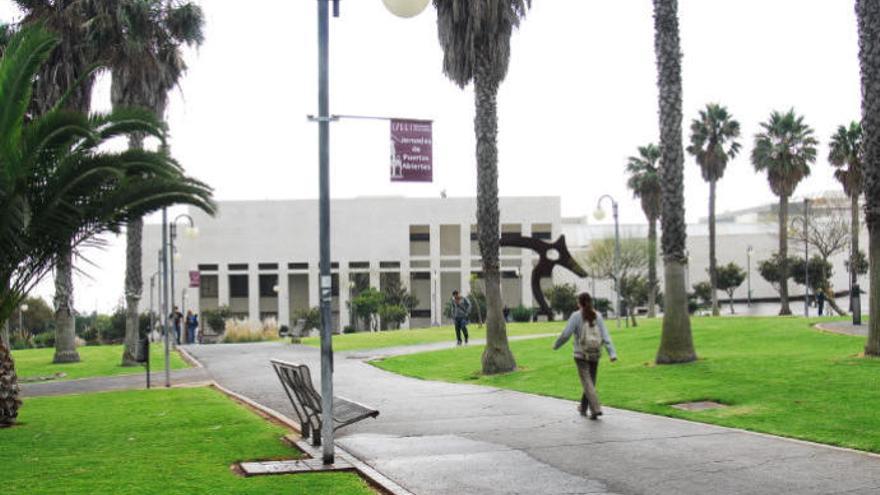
x=461, y=308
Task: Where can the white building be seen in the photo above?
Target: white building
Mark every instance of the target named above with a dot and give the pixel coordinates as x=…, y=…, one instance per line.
x=260, y=258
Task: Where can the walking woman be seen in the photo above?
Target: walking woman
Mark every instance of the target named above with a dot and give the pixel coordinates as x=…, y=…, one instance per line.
x=590, y=335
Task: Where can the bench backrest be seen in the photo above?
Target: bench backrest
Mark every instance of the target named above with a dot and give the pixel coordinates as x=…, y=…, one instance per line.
x=297, y=382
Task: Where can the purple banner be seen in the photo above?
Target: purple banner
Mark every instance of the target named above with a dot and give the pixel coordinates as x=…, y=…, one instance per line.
x=195, y=278
x=411, y=151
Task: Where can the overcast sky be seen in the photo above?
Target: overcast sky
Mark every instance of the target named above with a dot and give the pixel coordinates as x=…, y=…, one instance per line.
x=579, y=98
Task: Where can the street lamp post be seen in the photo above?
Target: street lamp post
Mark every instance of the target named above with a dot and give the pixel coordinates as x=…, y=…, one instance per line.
x=600, y=214
x=402, y=8
x=806, y=257
x=21, y=310
x=191, y=232
x=749, y=275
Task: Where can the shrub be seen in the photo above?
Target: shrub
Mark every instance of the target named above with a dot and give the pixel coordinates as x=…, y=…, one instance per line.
x=240, y=331
x=349, y=329
x=392, y=315
x=563, y=299
x=602, y=305
x=45, y=339
x=215, y=319
x=521, y=314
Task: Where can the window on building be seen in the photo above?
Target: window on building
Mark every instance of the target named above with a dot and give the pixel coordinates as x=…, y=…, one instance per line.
x=298, y=266
x=237, y=267
x=238, y=286
x=389, y=264
x=450, y=240
x=359, y=265
x=419, y=240
x=209, y=286
x=268, y=283
x=208, y=268
x=267, y=266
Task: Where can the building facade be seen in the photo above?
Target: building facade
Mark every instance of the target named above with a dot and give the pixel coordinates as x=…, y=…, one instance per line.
x=260, y=258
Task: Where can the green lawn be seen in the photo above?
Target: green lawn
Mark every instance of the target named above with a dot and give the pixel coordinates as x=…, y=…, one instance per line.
x=394, y=338
x=172, y=441
x=778, y=375
x=94, y=361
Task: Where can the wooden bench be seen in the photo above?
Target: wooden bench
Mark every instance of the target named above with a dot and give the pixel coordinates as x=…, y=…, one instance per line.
x=306, y=401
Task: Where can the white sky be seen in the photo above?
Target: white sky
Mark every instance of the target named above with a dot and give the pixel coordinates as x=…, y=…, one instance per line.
x=579, y=98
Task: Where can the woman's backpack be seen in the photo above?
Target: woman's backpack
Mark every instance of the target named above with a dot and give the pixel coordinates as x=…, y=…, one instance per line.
x=590, y=339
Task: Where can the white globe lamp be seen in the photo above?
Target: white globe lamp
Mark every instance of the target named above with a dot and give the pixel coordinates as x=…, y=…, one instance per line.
x=405, y=8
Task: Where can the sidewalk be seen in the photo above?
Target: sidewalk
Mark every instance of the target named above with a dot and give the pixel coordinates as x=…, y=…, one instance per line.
x=845, y=328
x=440, y=438
x=103, y=384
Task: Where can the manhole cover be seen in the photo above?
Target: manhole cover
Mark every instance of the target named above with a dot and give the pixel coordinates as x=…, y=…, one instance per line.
x=702, y=405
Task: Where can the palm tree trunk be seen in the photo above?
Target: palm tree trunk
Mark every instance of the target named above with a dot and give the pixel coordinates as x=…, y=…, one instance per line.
x=65, y=323
x=133, y=287
x=9, y=390
x=497, y=357
x=676, y=342
x=134, y=283
x=652, y=267
x=868, y=14
x=872, y=347
x=855, y=298
x=713, y=262
x=783, y=255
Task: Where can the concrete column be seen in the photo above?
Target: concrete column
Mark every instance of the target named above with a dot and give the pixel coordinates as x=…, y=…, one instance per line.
x=283, y=295
x=525, y=270
x=465, y=284
x=344, y=295
x=253, y=292
x=222, y=286
x=405, y=282
x=314, y=286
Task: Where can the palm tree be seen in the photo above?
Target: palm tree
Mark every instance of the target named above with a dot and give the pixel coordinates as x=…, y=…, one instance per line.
x=868, y=15
x=68, y=69
x=475, y=37
x=645, y=182
x=846, y=155
x=676, y=341
x=58, y=189
x=784, y=149
x=713, y=145
x=146, y=66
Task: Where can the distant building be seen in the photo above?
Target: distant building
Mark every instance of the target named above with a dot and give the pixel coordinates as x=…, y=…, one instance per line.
x=260, y=258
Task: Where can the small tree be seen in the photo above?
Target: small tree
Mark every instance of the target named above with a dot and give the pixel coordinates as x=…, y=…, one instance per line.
x=703, y=293
x=392, y=315
x=634, y=291
x=599, y=261
x=771, y=270
x=729, y=278
x=366, y=306
x=563, y=299
x=819, y=272
x=311, y=321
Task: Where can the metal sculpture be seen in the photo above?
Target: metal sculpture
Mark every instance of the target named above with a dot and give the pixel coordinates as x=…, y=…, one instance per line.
x=550, y=255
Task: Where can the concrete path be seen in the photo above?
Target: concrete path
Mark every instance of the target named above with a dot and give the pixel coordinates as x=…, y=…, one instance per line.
x=845, y=327
x=440, y=438
x=103, y=384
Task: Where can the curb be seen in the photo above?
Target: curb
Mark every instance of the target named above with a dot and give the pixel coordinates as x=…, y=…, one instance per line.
x=373, y=477
x=186, y=356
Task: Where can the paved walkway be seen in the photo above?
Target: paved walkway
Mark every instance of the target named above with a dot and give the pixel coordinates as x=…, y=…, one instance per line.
x=440, y=438
x=103, y=384
x=845, y=327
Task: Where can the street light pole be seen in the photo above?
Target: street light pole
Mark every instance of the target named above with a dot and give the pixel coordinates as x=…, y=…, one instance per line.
x=173, y=226
x=599, y=215
x=749, y=275
x=806, y=258
x=164, y=257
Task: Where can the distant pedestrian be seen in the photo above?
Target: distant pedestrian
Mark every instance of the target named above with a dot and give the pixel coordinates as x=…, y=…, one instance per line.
x=461, y=308
x=590, y=335
x=820, y=301
x=176, y=316
x=192, y=323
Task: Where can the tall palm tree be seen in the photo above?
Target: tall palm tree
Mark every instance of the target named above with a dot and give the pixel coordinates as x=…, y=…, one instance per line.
x=146, y=66
x=846, y=155
x=475, y=38
x=58, y=189
x=68, y=69
x=676, y=341
x=645, y=182
x=713, y=144
x=785, y=149
x=868, y=14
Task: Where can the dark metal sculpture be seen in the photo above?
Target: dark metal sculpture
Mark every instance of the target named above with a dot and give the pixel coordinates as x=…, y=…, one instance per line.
x=551, y=255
